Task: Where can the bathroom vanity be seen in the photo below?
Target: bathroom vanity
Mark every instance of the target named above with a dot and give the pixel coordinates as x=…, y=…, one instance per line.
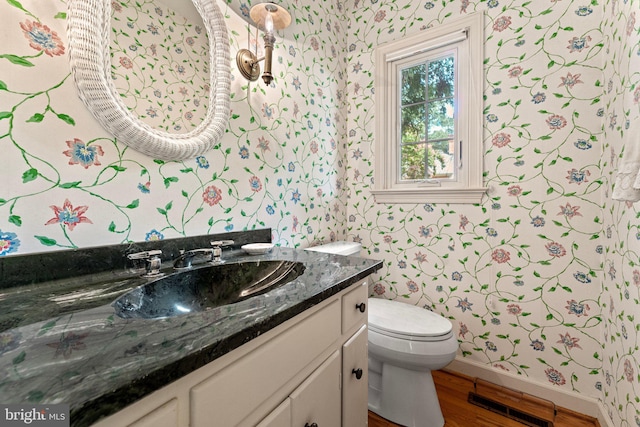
x=310, y=369
x=293, y=355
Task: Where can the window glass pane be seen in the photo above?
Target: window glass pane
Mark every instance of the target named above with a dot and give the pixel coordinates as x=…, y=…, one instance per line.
x=413, y=84
x=441, y=124
x=441, y=78
x=412, y=161
x=413, y=123
x=442, y=153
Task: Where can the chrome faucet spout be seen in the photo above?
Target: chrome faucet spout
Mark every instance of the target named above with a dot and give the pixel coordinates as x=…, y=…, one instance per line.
x=185, y=259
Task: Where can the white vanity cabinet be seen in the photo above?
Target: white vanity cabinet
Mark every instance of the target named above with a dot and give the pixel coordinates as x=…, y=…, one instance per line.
x=309, y=371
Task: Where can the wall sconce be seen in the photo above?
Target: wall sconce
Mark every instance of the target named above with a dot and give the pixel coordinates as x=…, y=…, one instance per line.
x=268, y=17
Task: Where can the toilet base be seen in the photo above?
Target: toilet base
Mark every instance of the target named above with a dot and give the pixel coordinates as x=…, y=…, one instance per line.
x=404, y=396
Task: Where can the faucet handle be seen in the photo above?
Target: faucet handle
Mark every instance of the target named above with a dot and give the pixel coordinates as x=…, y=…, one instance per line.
x=221, y=243
x=152, y=259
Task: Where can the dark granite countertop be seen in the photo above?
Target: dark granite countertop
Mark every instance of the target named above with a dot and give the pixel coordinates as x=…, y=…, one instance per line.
x=61, y=341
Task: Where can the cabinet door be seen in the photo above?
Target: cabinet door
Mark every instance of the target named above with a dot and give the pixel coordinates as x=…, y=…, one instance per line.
x=164, y=416
x=317, y=399
x=279, y=417
x=355, y=378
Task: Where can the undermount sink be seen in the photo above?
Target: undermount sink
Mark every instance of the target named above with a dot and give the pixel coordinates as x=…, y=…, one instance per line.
x=204, y=288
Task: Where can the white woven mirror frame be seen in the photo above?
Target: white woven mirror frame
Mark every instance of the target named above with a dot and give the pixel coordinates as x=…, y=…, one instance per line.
x=88, y=29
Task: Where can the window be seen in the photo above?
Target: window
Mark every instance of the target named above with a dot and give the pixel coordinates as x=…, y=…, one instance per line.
x=429, y=115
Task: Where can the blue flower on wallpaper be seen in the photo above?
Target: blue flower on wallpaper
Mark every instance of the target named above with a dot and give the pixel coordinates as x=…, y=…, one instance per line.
x=492, y=118
x=495, y=206
x=244, y=152
x=202, y=162
x=491, y=346
x=518, y=282
x=9, y=242
x=491, y=232
x=402, y=264
x=291, y=167
x=537, y=345
x=577, y=44
x=270, y=210
x=144, y=188
x=457, y=276
x=428, y=5
x=538, y=98
x=428, y=207
x=464, y=304
x=228, y=227
x=581, y=277
x=538, y=221
x=295, y=197
x=582, y=144
x=83, y=154
x=493, y=3
x=153, y=235
x=584, y=11
x=495, y=321
x=577, y=177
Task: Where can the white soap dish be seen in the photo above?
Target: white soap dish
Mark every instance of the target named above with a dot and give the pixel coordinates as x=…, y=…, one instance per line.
x=257, y=248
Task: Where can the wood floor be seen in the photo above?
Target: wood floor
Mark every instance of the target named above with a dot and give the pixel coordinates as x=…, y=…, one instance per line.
x=453, y=390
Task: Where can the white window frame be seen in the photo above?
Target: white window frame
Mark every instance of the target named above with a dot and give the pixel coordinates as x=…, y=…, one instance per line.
x=466, y=35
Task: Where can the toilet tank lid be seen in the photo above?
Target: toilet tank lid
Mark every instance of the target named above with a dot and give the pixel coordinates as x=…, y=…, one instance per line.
x=404, y=319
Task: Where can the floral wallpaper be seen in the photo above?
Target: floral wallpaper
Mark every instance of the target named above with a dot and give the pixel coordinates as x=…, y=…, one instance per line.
x=541, y=279
x=70, y=184
x=528, y=275
x=159, y=66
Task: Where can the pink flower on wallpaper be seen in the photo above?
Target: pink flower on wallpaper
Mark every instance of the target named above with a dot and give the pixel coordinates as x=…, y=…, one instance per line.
x=628, y=370
x=263, y=144
x=380, y=15
x=379, y=289
x=501, y=139
x=255, y=184
x=83, y=154
x=569, y=342
x=463, y=330
x=515, y=71
x=314, y=43
x=514, y=309
x=68, y=215
x=42, y=39
x=577, y=44
x=420, y=257
x=126, y=62
x=570, y=81
x=313, y=147
x=116, y=6
x=502, y=23
x=500, y=256
x=636, y=277
x=556, y=122
x=412, y=286
x=212, y=195
x=514, y=190
x=631, y=23
x=577, y=177
x=555, y=249
x=464, y=5
x=636, y=95
x=579, y=309
x=555, y=377
x=569, y=211
x=387, y=238
x=464, y=221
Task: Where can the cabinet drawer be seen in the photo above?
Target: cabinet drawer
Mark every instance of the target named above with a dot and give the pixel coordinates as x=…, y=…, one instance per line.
x=354, y=307
x=231, y=395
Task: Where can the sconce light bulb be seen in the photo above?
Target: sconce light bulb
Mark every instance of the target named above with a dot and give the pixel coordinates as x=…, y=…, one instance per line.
x=268, y=23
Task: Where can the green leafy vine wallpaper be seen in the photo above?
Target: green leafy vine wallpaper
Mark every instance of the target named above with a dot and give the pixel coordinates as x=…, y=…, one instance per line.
x=541, y=279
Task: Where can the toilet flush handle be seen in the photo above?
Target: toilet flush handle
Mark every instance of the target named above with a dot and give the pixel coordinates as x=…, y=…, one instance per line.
x=362, y=307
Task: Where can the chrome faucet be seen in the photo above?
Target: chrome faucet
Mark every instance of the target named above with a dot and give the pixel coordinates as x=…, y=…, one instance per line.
x=217, y=250
x=186, y=258
x=152, y=261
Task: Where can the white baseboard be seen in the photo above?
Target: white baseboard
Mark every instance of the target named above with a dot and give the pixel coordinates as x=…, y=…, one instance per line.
x=572, y=401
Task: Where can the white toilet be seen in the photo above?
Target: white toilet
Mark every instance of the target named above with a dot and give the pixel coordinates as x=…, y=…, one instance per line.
x=405, y=344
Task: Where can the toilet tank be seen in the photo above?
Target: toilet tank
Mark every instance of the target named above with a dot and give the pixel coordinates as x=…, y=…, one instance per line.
x=338, y=248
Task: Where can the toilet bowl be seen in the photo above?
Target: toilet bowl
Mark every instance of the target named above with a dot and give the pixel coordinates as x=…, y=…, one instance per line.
x=405, y=344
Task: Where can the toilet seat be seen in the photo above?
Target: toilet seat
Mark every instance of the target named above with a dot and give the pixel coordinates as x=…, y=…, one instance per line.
x=407, y=322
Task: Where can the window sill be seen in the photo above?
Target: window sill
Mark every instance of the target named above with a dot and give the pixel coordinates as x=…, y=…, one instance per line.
x=429, y=195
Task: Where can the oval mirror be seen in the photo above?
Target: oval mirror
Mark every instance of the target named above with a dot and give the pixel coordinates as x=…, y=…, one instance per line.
x=89, y=27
